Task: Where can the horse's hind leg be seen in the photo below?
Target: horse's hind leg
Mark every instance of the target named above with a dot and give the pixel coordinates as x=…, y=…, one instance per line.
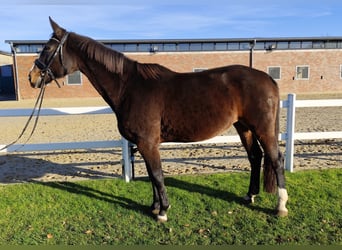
x=274, y=172
x=254, y=156
x=282, y=192
x=153, y=164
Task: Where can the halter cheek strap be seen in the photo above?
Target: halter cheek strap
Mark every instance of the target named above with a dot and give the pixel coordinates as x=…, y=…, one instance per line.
x=45, y=68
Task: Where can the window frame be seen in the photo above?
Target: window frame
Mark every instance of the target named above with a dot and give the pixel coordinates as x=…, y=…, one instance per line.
x=221, y=46
x=169, y=47
x=74, y=84
x=196, y=70
x=296, y=73
x=270, y=67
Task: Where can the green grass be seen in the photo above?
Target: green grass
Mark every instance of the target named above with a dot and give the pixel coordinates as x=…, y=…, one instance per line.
x=206, y=209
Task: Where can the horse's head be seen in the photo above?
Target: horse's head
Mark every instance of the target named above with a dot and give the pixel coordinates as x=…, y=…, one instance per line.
x=53, y=61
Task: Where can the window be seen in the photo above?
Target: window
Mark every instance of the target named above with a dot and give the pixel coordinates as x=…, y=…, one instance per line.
x=208, y=46
x=318, y=45
x=259, y=45
x=245, y=46
x=118, y=47
x=22, y=49
x=29, y=48
x=274, y=72
x=170, y=47
x=131, y=47
x=282, y=45
x=302, y=72
x=233, y=46
x=307, y=45
x=183, y=47
x=220, y=46
x=270, y=46
x=331, y=45
x=198, y=69
x=339, y=44
x=155, y=47
x=74, y=78
x=294, y=45
x=36, y=48
x=195, y=46
x=144, y=47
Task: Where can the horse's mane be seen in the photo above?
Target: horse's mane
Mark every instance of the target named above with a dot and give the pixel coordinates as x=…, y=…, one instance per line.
x=112, y=60
x=115, y=61
x=151, y=71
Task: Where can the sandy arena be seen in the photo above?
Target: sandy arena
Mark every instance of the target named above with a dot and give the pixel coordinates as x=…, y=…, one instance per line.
x=184, y=159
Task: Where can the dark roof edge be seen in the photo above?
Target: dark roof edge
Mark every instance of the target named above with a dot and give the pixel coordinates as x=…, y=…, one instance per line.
x=260, y=39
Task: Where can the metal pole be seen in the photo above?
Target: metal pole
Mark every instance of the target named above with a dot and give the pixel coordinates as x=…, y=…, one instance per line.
x=251, y=50
x=126, y=160
x=290, y=130
x=16, y=78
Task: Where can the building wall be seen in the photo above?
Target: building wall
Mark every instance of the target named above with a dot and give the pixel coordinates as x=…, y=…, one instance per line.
x=324, y=69
x=25, y=63
x=5, y=59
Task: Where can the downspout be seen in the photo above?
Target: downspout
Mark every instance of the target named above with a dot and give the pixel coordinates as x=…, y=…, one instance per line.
x=251, y=49
x=16, y=81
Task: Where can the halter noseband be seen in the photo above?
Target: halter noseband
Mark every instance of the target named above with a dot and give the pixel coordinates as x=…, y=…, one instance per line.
x=45, y=68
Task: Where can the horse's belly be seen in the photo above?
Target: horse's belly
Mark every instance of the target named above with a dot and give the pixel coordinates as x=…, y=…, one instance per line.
x=190, y=129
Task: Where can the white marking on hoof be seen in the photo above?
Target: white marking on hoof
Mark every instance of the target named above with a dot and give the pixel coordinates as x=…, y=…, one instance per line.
x=249, y=198
x=162, y=218
x=282, y=199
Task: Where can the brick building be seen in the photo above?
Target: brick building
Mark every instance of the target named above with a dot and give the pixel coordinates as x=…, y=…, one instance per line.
x=299, y=65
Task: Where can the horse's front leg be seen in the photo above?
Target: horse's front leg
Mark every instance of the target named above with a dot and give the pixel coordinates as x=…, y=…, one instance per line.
x=155, y=207
x=153, y=164
x=254, y=156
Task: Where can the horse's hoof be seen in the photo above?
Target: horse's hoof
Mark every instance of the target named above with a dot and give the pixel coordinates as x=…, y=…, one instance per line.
x=162, y=218
x=249, y=199
x=282, y=213
x=155, y=211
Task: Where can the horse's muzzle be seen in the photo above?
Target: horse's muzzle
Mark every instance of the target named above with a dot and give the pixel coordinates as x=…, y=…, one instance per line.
x=35, y=78
x=37, y=83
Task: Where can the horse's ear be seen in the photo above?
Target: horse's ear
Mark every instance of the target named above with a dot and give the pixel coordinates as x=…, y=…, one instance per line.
x=57, y=30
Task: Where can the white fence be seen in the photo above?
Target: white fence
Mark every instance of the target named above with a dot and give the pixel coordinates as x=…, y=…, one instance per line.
x=289, y=136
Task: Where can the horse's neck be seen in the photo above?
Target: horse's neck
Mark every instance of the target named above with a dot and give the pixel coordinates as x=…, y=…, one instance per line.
x=109, y=84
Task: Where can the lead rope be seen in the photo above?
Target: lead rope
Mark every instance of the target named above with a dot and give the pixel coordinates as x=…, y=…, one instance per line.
x=38, y=104
x=47, y=70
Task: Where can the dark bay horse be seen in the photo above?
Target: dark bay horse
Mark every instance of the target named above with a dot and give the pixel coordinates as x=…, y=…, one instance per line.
x=154, y=104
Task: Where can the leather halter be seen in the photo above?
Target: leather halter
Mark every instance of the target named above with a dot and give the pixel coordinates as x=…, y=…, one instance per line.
x=45, y=68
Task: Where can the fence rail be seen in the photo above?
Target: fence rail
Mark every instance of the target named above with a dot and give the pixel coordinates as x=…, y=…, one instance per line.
x=289, y=136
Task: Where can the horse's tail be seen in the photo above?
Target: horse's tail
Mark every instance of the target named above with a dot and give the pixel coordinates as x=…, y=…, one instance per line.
x=270, y=180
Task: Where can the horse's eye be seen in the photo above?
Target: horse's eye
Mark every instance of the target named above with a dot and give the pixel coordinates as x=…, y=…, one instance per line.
x=47, y=49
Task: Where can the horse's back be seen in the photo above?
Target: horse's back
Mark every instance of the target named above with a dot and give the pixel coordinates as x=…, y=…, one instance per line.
x=232, y=86
x=201, y=105
x=245, y=78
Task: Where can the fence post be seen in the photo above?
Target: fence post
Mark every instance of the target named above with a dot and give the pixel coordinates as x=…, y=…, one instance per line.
x=290, y=129
x=126, y=160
